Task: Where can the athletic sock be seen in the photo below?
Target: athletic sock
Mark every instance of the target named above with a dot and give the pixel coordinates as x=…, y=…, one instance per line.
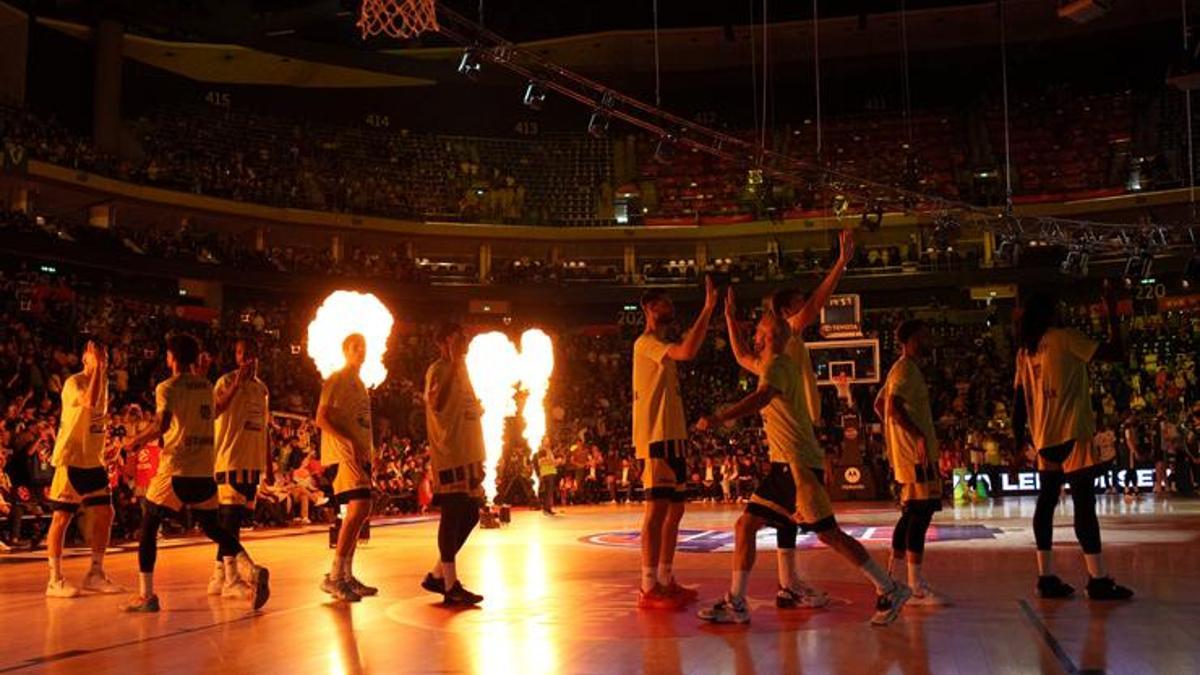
x=98, y=562
x=785, y=567
x=339, y=565
x=914, y=574
x=875, y=574
x=1045, y=562
x=55, y=568
x=245, y=559
x=737, y=584
x=450, y=572
x=146, y=584
x=649, y=579
x=1095, y=565
x=231, y=570
x=665, y=574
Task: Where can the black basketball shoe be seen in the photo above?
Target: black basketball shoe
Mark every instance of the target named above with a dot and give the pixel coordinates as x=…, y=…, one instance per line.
x=1104, y=588
x=1052, y=588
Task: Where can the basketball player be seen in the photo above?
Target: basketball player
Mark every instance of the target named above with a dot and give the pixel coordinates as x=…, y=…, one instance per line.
x=800, y=313
x=912, y=446
x=660, y=441
x=793, y=492
x=347, y=451
x=184, y=419
x=242, y=458
x=456, y=452
x=1054, y=397
x=80, y=478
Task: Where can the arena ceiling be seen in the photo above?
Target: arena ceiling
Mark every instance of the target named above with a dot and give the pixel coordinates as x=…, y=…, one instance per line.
x=592, y=37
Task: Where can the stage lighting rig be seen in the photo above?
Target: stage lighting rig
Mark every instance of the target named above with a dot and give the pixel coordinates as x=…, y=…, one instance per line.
x=484, y=45
x=535, y=96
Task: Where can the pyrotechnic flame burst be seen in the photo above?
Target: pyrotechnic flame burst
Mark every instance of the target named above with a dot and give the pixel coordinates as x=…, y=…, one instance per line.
x=344, y=313
x=497, y=370
x=537, y=363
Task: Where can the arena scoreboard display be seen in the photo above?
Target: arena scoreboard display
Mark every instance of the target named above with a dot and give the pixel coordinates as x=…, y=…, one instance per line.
x=841, y=317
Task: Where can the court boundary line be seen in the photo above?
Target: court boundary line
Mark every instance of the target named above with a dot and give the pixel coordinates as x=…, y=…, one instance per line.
x=1048, y=639
x=25, y=557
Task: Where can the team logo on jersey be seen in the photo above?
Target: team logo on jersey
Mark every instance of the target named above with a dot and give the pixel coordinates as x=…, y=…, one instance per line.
x=717, y=541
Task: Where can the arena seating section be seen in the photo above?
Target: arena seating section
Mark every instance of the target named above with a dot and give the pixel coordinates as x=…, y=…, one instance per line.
x=1064, y=147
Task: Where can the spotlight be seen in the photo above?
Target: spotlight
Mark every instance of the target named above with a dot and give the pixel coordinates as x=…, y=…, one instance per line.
x=1008, y=251
x=535, y=96
x=1138, y=266
x=1076, y=263
x=598, y=124
x=946, y=229
x=470, y=64
x=664, y=150
x=872, y=217
x=840, y=204
x=1191, y=273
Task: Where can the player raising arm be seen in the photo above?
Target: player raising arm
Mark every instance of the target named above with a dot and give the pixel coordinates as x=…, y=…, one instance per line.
x=80, y=478
x=660, y=441
x=793, y=492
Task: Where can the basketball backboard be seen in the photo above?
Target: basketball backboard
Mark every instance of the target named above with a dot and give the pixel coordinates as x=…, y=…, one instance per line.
x=857, y=359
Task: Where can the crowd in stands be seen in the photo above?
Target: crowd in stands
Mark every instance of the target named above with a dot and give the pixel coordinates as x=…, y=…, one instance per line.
x=1064, y=145
x=45, y=319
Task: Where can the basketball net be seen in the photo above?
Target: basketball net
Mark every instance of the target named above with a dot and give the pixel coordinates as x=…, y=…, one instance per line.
x=842, y=383
x=401, y=19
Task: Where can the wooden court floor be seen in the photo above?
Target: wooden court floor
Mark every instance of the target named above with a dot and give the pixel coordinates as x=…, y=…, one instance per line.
x=560, y=599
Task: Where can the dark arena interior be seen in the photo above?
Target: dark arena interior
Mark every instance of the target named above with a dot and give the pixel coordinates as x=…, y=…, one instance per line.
x=852, y=336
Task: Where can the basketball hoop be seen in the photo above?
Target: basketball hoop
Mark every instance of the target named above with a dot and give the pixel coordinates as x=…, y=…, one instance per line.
x=401, y=19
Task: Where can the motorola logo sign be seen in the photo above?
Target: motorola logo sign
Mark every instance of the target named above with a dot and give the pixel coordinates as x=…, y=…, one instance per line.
x=852, y=475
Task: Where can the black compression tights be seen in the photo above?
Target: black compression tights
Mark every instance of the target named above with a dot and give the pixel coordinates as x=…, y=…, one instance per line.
x=909, y=533
x=785, y=536
x=207, y=519
x=1083, y=496
x=460, y=514
x=230, y=518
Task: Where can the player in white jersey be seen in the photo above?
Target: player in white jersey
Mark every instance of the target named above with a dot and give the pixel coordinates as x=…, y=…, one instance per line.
x=347, y=452
x=792, y=494
x=456, y=454
x=183, y=418
x=912, y=447
x=660, y=441
x=801, y=312
x=1053, y=395
x=243, y=459
x=80, y=476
